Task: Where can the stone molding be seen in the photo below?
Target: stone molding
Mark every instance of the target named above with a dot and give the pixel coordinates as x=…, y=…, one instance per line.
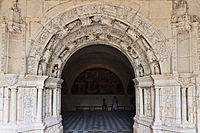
x=53, y=83
x=166, y=80
x=21, y=80
x=66, y=23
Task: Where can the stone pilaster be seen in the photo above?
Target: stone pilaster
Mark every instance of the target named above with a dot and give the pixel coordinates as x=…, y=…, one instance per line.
x=13, y=105
x=157, y=107
x=184, y=116
x=178, y=105
x=55, y=102
x=59, y=101
x=50, y=102
x=6, y=109
x=40, y=105
x=141, y=102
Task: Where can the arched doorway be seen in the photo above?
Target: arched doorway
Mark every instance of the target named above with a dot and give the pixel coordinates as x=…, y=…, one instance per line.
x=134, y=36
x=91, y=74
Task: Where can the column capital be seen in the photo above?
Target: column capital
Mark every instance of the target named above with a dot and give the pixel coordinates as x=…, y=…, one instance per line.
x=40, y=87
x=53, y=82
x=13, y=88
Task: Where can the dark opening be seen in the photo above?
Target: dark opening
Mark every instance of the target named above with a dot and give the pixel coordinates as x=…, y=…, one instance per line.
x=93, y=76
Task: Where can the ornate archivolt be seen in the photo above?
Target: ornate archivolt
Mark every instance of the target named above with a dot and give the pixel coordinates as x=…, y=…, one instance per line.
x=97, y=23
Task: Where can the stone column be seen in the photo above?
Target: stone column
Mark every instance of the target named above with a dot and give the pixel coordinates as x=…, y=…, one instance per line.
x=55, y=102
x=137, y=100
x=178, y=104
x=198, y=107
x=184, y=107
x=152, y=101
x=6, y=108
x=59, y=101
x=40, y=105
x=157, y=106
x=190, y=104
x=50, y=102
x=13, y=105
x=141, y=102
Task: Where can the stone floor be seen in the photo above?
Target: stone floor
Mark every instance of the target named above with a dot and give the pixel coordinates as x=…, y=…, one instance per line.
x=98, y=122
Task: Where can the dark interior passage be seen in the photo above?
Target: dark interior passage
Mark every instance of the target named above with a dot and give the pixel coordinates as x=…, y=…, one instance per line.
x=97, y=81
x=92, y=74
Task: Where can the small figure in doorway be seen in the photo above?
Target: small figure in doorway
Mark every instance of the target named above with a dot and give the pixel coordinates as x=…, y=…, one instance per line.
x=131, y=104
x=104, y=106
x=115, y=103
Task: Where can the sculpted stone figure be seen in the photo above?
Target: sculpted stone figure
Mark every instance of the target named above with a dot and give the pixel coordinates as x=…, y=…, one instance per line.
x=42, y=67
x=62, y=54
x=95, y=19
x=150, y=55
x=55, y=71
x=155, y=69
x=140, y=70
x=14, y=25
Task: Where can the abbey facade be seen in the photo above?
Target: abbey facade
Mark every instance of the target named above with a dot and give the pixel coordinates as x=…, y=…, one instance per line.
x=161, y=40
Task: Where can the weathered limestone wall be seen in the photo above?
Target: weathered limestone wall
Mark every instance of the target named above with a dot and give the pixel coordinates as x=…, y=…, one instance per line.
x=168, y=84
x=34, y=15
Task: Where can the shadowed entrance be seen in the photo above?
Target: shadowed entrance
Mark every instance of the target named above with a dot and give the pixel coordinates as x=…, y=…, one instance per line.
x=92, y=74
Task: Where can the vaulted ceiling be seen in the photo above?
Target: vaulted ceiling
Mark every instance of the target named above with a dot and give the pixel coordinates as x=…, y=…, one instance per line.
x=98, y=56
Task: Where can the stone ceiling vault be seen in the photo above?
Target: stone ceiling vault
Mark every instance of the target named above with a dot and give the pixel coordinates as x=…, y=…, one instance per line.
x=98, y=56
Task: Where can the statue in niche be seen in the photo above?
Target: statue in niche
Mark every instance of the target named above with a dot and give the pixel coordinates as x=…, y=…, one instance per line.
x=156, y=68
x=16, y=18
x=42, y=67
x=62, y=54
x=140, y=70
x=73, y=25
x=52, y=41
x=55, y=71
x=95, y=19
x=150, y=56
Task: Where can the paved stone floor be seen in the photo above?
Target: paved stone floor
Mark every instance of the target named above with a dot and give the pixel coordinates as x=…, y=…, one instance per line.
x=98, y=122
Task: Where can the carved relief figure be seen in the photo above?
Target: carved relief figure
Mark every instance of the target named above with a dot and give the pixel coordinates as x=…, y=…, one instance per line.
x=95, y=19
x=71, y=26
x=52, y=41
x=42, y=67
x=55, y=71
x=16, y=18
x=150, y=56
x=155, y=68
x=140, y=70
x=62, y=54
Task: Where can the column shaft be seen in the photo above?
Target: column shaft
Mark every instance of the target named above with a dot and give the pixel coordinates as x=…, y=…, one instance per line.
x=6, y=108
x=141, y=102
x=40, y=105
x=13, y=105
x=184, y=116
x=178, y=105
x=157, y=106
x=50, y=102
x=55, y=102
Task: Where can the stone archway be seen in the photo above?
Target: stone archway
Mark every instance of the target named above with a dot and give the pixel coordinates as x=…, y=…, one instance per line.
x=117, y=26
x=98, y=23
